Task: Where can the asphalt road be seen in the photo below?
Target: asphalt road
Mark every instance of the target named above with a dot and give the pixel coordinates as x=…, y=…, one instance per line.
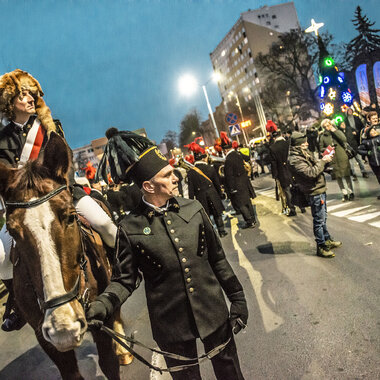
x=310, y=318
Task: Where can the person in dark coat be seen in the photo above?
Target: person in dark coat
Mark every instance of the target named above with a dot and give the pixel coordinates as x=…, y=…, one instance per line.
x=334, y=137
x=352, y=137
x=280, y=170
x=204, y=185
x=26, y=124
x=238, y=184
x=370, y=147
x=308, y=175
x=172, y=242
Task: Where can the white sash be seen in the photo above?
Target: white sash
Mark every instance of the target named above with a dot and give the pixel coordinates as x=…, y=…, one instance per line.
x=29, y=144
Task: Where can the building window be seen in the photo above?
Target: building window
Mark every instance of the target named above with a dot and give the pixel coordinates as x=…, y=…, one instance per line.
x=276, y=26
x=246, y=70
x=274, y=16
x=268, y=22
x=258, y=16
x=250, y=54
x=244, y=34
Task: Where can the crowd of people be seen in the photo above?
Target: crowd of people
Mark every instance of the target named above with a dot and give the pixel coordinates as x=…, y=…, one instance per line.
x=165, y=211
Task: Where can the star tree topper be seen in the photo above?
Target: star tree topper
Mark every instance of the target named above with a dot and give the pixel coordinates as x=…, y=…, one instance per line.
x=314, y=27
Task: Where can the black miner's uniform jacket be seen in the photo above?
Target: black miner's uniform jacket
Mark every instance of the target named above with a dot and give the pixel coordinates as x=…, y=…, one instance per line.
x=206, y=192
x=279, y=151
x=184, y=267
x=236, y=179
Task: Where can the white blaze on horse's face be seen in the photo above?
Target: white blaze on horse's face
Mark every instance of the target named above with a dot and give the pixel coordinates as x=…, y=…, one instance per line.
x=63, y=326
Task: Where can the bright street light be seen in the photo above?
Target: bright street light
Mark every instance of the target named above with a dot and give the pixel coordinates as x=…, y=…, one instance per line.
x=187, y=85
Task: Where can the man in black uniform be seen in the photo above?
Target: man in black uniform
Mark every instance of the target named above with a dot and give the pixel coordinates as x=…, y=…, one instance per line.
x=204, y=186
x=238, y=184
x=172, y=242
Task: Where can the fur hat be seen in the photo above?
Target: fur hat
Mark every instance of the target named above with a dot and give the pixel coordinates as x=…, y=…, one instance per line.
x=12, y=84
x=271, y=126
x=130, y=157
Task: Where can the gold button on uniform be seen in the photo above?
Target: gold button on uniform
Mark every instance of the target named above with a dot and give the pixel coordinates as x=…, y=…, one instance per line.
x=187, y=270
x=169, y=222
x=176, y=240
x=184, y=260
x=24, y=134
x=180, y=249
x=188, y=279
x=16, y=158
x=191, y=290
x=172, y=231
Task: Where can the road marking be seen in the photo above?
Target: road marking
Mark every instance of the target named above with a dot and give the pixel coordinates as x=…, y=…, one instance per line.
x=365, y=217
x=350, y=211
x=375, y=224
x=271, y=320
x=332, y=208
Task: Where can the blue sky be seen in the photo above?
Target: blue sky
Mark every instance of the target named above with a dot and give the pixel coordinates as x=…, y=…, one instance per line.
x=117, y=63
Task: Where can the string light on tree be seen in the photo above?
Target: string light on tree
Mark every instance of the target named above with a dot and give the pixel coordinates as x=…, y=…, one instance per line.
x=332, y=82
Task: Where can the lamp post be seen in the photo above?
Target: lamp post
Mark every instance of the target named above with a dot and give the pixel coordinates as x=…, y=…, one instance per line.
x=188, y=85
x=259, y=109
x=241, y=114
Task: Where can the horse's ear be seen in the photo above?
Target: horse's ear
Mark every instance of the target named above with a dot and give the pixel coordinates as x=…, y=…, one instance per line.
x=57, y=157
x=5, y=174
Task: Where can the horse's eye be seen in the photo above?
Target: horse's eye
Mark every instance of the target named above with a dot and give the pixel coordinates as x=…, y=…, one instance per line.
x=70, y=219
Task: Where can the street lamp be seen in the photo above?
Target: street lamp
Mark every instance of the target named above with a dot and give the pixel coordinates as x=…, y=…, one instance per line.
x=188, y=86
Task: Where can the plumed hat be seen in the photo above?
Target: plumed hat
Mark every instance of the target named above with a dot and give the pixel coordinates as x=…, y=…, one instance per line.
x=197, y=150
x=90, y=171
x=225, y=142
x=235, y=145
x=130, y=157
x=271, y=126
x=12, y=84
x=189, y=158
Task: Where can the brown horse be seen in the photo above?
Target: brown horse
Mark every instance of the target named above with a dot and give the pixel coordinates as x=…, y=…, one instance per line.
x=49, y=258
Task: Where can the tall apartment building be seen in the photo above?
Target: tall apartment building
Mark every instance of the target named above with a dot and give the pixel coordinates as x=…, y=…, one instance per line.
x=234, y=57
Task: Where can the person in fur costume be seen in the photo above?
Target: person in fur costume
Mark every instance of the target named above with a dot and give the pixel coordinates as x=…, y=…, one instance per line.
x=26, y=125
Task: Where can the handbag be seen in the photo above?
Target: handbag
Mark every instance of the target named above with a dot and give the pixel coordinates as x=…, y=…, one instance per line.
x=298, y=197
x=349, y=151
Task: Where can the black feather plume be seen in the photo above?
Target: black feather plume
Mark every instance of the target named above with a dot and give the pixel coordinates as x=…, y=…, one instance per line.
x=122, y=150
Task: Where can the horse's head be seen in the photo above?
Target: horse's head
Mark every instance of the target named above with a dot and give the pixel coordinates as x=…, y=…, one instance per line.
x=47, y=238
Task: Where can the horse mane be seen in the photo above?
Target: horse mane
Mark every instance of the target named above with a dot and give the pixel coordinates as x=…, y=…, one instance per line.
x=31, y=176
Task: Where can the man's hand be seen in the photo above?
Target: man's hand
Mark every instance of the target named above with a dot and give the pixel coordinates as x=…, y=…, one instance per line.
x=327, y=158
x=99, y=310
x=238, y=311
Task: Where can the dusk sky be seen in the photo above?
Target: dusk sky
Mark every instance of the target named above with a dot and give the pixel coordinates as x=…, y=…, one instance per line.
x=117, y=63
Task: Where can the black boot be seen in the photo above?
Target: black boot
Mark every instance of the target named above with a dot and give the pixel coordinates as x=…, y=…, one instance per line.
x=12, y=320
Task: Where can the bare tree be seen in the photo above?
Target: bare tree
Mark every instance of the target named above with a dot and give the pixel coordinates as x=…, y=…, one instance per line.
x=189, y=124
x=170, y=139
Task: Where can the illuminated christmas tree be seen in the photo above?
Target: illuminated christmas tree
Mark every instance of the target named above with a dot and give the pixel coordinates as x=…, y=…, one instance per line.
x=334, y=95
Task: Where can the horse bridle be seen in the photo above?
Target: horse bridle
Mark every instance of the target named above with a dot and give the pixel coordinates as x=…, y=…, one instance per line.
x=74, y=292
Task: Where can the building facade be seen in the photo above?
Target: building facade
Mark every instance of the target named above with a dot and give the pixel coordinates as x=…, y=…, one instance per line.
x=234, y=58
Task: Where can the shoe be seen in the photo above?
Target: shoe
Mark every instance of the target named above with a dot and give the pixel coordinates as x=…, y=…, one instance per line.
x=303, y=210
x=13, y=322
x=354, y=178
x=292, y=213
x=323, y=251
x=223, y=234
x=365, y=175
x=345, y=198
x=248, y=225
x=351, y=197
x=333, y=244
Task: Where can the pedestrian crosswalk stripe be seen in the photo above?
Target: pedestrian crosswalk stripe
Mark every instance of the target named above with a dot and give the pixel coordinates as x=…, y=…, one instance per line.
x=364, y=217
x=332, y=208
x=375, y=224
x=349, y=211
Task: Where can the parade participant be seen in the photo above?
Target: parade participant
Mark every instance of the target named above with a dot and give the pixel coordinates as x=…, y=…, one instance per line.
x=237, y=183
x=26, y=124
x=204, y=185
x=280, y=170
x=308, y=174
x=172, y=242
x=340, y=164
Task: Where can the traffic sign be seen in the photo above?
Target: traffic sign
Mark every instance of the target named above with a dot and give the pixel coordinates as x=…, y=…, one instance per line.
x=231, y=118
x=235, y=130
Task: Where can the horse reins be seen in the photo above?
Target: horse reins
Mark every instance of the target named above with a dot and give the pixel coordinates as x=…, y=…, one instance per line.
x=74, y=292
x=83, y=299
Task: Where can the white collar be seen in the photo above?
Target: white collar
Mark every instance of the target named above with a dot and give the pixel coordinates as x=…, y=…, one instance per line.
x=232, y=150
x=200, y=162
x=155, y=208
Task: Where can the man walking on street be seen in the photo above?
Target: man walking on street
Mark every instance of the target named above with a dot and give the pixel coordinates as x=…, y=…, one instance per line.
x=172, y=242
x=308, y=173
